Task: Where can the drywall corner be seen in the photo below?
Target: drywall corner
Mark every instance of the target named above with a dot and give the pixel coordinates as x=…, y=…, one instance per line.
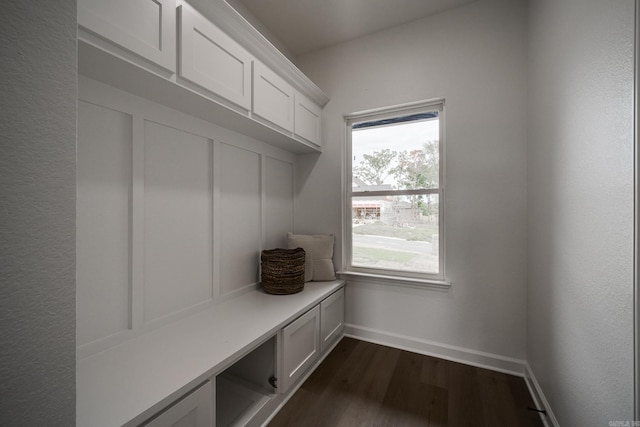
x=37, y=212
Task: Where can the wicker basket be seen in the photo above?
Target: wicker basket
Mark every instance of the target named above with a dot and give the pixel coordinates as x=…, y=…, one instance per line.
x=283, y=271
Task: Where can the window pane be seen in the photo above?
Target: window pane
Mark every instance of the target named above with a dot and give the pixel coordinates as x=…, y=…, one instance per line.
x=399, y=154
x=396, y=233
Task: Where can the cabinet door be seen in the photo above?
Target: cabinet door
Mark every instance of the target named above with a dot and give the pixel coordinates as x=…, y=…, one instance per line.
x=272, y=97
x=212, y=60
x=307, y=119
x=146, y=28
x=193, y=410
x=301, y=346
x=332, y=318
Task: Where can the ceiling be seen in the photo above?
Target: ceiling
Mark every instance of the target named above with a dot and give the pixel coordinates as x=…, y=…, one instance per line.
x=306, y=25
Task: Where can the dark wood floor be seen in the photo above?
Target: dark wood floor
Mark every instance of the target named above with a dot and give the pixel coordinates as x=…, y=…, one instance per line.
x=364, y=384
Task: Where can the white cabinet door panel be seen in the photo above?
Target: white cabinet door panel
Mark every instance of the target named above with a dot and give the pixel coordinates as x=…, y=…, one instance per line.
x=273, y=98
x=103, y=209
x=146, y=28
x=178, y=199
x=331, y=318
x=212, y=60
x=194, y=410
x=307, y=119
x=301, y=346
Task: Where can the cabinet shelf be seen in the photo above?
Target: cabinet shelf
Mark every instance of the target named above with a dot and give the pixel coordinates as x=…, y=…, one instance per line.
x=243, y=389
x=238, y=401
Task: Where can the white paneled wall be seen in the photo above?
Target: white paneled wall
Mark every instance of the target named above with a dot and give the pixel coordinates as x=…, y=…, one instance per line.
x=278, y=202
x=103, y=204
x=172, y=214
x=178, y=201
x=240, y=214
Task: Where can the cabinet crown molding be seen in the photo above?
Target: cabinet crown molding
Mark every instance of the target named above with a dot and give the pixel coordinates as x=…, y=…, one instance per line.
x=235, y=25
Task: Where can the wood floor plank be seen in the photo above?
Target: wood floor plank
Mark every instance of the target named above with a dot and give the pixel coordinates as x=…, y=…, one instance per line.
x=465, y=408
x=330, y=367
x=498, y=405
x=296, y=411
x=364, y=407
x=409, y=401
x=522, y=396
x=342, y=390
x=361, y=384
x=435, y=372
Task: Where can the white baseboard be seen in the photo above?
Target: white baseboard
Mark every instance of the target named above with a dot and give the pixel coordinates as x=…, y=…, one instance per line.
x=467, y=356
x=549, y=420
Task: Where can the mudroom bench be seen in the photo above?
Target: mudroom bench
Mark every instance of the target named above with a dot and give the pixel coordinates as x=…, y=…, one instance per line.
x=232, y=364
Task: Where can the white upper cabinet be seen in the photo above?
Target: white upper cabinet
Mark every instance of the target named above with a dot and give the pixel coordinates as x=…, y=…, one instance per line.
x=273, y=97
x=204, y=59
x=307, y=119
x=212, y=60
x=146, y=28
x=276, y=102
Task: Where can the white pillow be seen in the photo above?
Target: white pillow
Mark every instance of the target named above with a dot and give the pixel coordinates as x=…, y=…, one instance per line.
x=318, y=263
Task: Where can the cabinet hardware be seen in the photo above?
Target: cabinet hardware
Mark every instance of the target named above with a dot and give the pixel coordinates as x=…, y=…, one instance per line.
x=273, y=381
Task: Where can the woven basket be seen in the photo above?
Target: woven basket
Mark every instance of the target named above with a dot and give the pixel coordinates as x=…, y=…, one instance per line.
x=283, y=271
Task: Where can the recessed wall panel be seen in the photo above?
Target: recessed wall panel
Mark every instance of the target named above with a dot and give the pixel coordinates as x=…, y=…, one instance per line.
x=278, y=202
x=240, y=218
x=177, y=220
x=103, y=227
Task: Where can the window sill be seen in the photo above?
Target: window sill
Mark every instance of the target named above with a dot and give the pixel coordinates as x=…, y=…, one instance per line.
x=408, y=282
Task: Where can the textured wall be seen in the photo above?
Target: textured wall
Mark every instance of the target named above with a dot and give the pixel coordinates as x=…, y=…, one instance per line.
x=474, y=57
x=37, y=212
x=580, y=197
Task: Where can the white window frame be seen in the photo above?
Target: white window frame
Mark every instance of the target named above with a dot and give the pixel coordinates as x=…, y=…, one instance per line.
x=406, y=278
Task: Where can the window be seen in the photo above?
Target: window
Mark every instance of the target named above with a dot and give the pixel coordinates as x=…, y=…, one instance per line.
x=394, y=193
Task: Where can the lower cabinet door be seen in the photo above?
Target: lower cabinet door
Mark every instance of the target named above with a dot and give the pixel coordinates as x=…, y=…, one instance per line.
x=193, y=410
x=332, y=316
x=301, y=346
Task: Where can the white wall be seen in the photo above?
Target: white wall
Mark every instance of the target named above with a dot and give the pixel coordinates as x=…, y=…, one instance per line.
x=580, y=196
x=37, y=212
x=474, y=57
